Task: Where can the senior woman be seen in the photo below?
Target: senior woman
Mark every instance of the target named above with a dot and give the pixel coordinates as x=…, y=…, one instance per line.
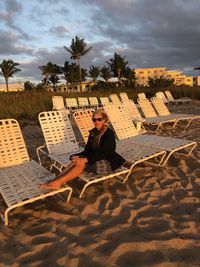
x=100, y=148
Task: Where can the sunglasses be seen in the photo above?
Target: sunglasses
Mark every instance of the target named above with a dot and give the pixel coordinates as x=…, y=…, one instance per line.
x=97, y=119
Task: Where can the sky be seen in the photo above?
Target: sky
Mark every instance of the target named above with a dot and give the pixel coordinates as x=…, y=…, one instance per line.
x=148, y=33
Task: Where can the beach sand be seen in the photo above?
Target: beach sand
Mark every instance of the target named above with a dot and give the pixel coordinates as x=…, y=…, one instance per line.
x=152, y=220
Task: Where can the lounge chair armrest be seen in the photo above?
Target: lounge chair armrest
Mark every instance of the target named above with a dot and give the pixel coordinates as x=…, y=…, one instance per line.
x=39, y=150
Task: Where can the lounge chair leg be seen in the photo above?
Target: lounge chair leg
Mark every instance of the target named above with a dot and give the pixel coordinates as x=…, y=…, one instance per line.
x=6, y=218
x=175, y=123
x=127, y=176
x=191, y=149
x=83, y=190
x=69, y=194
x=158, y=128
x=164, y=161
x=189, y=122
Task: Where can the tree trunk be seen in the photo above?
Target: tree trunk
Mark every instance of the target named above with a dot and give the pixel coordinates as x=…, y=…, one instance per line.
x=7, y=89
x=80, y=76
x=46, y=82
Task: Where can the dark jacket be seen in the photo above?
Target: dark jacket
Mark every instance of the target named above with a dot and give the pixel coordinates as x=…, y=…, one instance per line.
x=105, y=150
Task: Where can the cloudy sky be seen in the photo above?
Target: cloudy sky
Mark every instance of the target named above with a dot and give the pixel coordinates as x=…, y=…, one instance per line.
x=149, y=33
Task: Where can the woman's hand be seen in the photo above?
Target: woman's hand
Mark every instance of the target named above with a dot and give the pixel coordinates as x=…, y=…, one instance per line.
x=77, y=160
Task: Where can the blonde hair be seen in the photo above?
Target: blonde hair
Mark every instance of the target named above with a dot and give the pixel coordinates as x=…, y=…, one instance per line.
x=98, y=135
x=103, y=114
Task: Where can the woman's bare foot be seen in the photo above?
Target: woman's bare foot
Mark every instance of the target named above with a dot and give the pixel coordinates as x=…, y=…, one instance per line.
x=51, y=185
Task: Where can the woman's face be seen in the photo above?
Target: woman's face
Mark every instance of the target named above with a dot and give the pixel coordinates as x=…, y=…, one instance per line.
x=98, y=121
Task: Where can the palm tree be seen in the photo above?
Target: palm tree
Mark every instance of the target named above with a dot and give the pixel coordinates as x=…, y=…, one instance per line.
x=77, y=49
x=47, y=70
x=29, y=86
x=8, y=69
x=94, y=73
x=65, y=70
x=118, y=65
x=105, y=73
x=130, y=78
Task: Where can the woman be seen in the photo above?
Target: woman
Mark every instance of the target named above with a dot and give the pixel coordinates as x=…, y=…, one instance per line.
x=100, y=146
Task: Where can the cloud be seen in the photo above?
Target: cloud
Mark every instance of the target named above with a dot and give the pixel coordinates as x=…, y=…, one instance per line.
x=149, y=33
x=59, y=31
x=162, y=33
x=11, y=45
x=13, y=9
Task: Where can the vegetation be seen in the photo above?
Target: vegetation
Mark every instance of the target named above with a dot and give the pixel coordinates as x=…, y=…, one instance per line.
x=161, y=82
x=8, y=69
x=29, y=86
x=28, y=104
x=94, y=73
x=78, y=49
x=118, y=66
x=47, y=71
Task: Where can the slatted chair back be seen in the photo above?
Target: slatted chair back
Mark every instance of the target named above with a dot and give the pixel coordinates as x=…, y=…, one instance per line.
x=141, y=96
x=93, y=101
x=160, y=106
x=12, y=146
x=71, y=103
x=132, y=110
x=124, y=97
x=121, y=122
x=169, y=95
x=83, y=119
x=162, y=96
x=104, y=100
x=115, y=99
x=83, y=102
x=58, y=133
x=147, y=108
x=58, y=103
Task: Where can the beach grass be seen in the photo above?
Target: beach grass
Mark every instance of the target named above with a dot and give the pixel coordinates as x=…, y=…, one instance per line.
x=25, y=106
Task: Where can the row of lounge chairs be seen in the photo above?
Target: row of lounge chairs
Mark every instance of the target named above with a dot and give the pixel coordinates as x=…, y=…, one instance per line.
x=167, y=98
x=71, y=103
x=20, y=176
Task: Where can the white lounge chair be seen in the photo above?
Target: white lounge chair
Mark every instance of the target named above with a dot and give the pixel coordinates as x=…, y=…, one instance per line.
x=71, y=103
x=61, y=143
x=162, y=96
x=124, y=129
x=163, y=111
x=58, y=103
x=171, y=99
x=151, y=117
x=115, y=99
x=83, y=102
x=83, y=119
x=124, y=97
x=104, y=100
x=141, y=96
x=20, y=177
x=94, y=103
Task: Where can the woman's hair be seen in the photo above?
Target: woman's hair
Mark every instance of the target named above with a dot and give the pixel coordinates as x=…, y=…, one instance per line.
x=98, y=135
x=103, y=114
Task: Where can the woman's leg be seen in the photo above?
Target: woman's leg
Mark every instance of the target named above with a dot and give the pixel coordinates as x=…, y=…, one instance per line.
x=64, y=177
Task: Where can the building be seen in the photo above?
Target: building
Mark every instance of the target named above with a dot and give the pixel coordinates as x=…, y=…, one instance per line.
x=13, y=87
x=86, y=85
x=196, y=81
x=179, y=78
x=143, y=76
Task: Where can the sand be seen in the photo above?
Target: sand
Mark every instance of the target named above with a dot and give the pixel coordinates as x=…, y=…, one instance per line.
x=152, y=220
